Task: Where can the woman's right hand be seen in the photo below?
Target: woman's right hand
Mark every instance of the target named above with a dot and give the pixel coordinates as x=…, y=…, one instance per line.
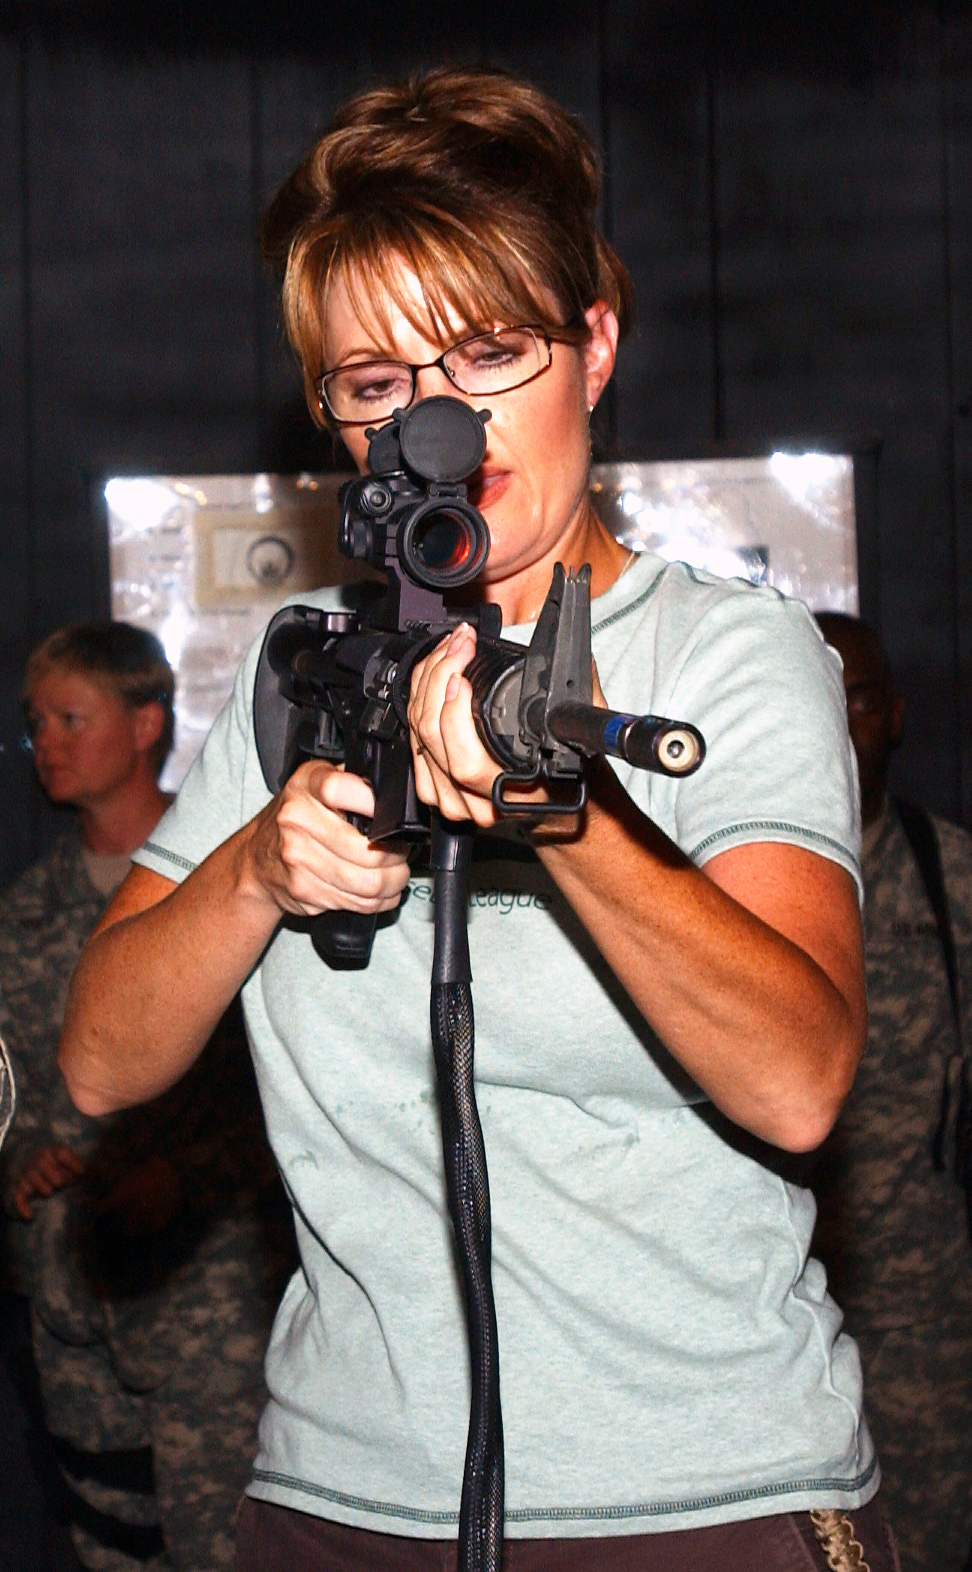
x=167, y=958
x=307, y=858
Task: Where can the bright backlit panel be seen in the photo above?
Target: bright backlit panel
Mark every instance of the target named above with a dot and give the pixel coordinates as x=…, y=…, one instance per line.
x=786, y=520
x=203, y=560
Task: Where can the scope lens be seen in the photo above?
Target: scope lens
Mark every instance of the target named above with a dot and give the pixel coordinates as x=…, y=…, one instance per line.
x=442, y=543
x=444, y=547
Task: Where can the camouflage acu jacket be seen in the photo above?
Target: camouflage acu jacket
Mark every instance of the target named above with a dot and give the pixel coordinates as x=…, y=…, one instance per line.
x=46, y=917
x=892, y=1229
x=209, y=1126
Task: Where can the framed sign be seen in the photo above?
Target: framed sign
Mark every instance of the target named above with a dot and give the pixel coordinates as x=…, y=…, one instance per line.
x=202, y=561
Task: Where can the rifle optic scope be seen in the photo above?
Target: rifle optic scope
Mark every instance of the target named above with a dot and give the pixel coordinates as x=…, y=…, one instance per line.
x=412, y=509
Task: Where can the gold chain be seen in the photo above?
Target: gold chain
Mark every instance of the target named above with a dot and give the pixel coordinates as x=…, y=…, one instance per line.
x=835, y=1532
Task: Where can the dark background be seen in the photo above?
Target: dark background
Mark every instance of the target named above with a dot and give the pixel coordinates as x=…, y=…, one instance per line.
x=790, y=185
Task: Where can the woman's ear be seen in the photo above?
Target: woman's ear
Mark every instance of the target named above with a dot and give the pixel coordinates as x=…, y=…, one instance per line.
x=149, y=720
x=600, y=350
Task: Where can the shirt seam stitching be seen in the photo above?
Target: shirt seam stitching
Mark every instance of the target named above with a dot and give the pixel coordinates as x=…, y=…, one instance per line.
x=776, y=825
x=634, y=605
x=168, y=856
x=591, y=1514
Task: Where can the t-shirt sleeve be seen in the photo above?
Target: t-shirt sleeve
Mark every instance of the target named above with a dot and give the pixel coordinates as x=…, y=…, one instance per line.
x=768, y=696
x=222, y=791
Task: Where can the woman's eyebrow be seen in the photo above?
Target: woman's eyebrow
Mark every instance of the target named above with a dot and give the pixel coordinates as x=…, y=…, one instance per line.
x=367, y=352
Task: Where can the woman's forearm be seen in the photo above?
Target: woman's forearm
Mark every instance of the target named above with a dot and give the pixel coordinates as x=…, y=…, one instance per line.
x=750, y=973
x=157, y=975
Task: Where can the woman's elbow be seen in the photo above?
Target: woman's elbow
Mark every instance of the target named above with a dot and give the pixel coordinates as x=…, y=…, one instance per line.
x=89, y=1100
x=808, y=1128
x=812, y=1117
x=84, y=1090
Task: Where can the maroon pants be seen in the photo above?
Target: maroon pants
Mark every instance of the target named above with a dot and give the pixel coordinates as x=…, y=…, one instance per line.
x=273, y=1538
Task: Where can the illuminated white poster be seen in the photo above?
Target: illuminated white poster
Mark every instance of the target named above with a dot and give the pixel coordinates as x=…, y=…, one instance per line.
x=785, y=520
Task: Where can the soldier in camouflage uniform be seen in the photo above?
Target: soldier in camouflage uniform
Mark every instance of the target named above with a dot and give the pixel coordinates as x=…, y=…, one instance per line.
x=892, y=1227
x=152, y=1245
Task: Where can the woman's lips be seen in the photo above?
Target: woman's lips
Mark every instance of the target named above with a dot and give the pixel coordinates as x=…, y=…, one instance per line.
x=487, y=486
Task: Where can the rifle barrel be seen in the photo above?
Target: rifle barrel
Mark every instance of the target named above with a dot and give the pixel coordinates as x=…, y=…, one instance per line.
x=649, y=742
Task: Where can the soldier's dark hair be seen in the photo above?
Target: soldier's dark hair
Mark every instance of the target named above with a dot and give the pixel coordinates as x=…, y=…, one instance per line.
x=835, y=624
x=129, y=661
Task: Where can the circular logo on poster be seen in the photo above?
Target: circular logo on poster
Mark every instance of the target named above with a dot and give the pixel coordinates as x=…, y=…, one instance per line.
x=270, y=559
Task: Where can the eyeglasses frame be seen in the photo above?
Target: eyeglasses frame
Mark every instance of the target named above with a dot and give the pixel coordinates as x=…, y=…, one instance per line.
x=535, y=328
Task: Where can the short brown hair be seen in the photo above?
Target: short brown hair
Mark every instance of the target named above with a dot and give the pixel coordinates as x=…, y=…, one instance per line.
x=484, y=186
x=129, y=661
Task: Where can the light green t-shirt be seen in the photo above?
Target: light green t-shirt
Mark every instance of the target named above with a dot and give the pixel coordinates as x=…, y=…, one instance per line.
x=668, y=1354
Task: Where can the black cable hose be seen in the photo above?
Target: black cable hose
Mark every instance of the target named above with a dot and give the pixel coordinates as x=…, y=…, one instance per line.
x=467, y=1188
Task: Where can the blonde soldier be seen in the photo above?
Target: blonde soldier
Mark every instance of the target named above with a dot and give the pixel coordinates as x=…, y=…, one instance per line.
x=148, y=1243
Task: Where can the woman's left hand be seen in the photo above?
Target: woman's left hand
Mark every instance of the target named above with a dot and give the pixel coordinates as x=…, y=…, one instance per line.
x=453, y=771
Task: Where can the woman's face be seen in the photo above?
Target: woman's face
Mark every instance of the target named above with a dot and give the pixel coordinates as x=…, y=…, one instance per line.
x=87, y=744
x=532, y=486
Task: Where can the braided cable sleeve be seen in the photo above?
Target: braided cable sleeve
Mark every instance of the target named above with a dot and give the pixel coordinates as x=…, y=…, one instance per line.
x=467, y=1189
x=467, y=1185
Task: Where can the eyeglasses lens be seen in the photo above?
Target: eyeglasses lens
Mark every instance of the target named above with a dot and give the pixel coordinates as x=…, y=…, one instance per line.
x=370, y=391
x=496, y=362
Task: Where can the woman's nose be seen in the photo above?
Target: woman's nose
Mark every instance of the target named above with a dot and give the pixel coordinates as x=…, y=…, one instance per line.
x=42, y=751
x=44, y=739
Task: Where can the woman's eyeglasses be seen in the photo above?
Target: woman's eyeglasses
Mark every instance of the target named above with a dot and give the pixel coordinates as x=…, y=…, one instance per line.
x=370, y=391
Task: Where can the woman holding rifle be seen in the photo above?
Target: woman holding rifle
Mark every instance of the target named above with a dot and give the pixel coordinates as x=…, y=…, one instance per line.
x=665, y=997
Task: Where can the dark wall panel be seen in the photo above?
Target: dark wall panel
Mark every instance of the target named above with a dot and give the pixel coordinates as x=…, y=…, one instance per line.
x=13, y=302
x=658, y=104
x=402, y=35
x=142, y=287
x=834, y=308
x=558, y=47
